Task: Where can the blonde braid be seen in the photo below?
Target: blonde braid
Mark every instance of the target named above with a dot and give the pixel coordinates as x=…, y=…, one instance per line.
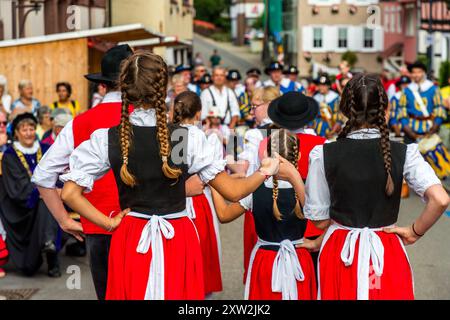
x=298, y=209
x=276, y=211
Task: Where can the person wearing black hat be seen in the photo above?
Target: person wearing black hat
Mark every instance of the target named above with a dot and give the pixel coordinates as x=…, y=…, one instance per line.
x=220, y=96
x=104, y=195
x=294, y=111
x=205, y=82
x=275, y=72
x=329, y=120
x=394, y=111
x=422, y=111
x=256, y=74
x=291, y=72
x=234, y=82
x=186, y=72
x=30, y=227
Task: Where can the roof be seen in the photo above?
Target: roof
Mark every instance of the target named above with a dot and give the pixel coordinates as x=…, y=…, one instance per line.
x=130, y=32
x=158, y=42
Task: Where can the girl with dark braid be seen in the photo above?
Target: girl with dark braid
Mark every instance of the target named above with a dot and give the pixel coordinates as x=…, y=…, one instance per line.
x=280, y=267
x=155, y=252
x=354, y=190
x=187, y=113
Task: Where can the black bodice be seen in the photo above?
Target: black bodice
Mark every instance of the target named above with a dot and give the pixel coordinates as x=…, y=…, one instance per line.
x=154, y=193
x=357, y=180
x=267, y=226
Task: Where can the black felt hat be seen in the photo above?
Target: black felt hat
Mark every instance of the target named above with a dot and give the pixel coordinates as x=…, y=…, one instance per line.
x=293, y=110
x=291, y=70
x=274, y=66
x=111, y=65
x=253, y=72
x=417, y=65
x=403, y=80
x=21, y=117
x=182, y=67
x=234, y=75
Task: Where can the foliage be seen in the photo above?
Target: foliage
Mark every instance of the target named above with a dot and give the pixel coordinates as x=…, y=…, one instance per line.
x=350, y=57
x=444, y=73
x=211, y=11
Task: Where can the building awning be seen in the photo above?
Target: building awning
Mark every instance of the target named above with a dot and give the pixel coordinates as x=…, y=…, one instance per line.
x=392, y=50
x=158, y=42
x=130, y=32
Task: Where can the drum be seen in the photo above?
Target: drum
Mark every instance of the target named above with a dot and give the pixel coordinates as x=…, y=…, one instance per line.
x=436, y=154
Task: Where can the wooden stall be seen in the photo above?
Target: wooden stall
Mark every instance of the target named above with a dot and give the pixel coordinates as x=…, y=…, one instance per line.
x=47, y=60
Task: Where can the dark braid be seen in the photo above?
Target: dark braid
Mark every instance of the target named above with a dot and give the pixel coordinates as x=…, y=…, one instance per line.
x=364, y=102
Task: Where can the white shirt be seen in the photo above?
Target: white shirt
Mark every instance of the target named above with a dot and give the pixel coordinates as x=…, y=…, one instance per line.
x=221, y=98
x=90, y=161
x=247, y=202
x=417, y=172
x=56, y=160
x=6, y=101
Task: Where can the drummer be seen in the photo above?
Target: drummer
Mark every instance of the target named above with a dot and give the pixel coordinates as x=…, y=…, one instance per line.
x=421, y=109
x=329, y=121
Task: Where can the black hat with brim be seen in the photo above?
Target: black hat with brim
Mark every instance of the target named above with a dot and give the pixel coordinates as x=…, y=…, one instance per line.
x=21, y=117
x=403, y=80
x=111, y=62
x=234, y=75
x=182, y=67
x=206, y=79
x=291, y=70
x=293, y=110
x=253, y=72
x=417, y=65
x=274, y=66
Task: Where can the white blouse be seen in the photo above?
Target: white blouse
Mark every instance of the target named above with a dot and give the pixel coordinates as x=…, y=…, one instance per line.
x=417, y=172
x=247, y=202
x=90, y=162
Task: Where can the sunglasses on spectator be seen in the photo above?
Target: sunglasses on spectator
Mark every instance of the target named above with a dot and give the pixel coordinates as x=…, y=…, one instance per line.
x=4, y=123
x=256, y=106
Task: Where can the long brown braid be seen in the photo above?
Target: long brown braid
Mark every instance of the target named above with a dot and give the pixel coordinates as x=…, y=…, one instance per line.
x=143, y=82
x=364, y=102
x=286, y=145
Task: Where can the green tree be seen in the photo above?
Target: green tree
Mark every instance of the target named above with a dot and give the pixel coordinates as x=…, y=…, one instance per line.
x=210, y=10
x=444, y=73
x=350, y=57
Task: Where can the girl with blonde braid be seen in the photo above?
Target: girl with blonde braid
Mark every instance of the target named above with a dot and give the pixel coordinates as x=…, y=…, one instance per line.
x=354, y=189
x=155, y=252
x=280, y=267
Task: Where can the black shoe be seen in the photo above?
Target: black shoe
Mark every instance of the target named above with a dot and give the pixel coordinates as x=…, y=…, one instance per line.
x=77, y=249
x=49, y=247
x=54, y=272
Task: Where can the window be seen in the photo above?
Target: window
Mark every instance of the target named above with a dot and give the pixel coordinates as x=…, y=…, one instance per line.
x=342, y=38
x=318, y=38
x=368, y=38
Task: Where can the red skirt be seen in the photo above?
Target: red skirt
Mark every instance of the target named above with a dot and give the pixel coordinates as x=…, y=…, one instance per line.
x=208, y=243
x=128, y=270
x=3, y=252
x=338, y=282
x=250, y=239
x=261, y=277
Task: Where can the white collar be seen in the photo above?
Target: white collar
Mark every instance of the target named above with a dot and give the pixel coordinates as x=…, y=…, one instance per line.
x=285, y=82
x=143, y=117
x=221, y=92
x=329, y=97
x=304, y=131
x=113, y=96
x=362, y=134
x=281, y=184
x=266, y=121
x=424, y=86
x=32, y=150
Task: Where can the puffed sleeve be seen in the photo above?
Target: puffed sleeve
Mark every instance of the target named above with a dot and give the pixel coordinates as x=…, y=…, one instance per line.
x=252, y=138
x=317, y=203
x=56, y=160
x=417, y=172
x=200, y=159
x=89, y=162
x=216, y=146
x=247, y=202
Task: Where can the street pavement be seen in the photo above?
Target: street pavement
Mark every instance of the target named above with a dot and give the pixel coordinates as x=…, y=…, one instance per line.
x=430, y=257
